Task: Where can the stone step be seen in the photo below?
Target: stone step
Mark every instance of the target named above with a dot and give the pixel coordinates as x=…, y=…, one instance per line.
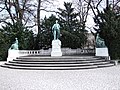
x=58, y=58
x=57, y=68
x=56, y=64
x=55, y=59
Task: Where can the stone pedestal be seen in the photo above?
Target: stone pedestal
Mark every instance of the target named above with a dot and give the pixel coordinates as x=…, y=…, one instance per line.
x=12, y=54
x=102, y=52
x=56, y=48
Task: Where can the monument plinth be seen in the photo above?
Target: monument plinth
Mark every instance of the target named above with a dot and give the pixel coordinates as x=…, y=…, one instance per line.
x=56, y=48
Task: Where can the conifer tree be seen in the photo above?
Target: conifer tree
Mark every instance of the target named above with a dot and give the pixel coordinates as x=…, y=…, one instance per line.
x=73, y=34
x=108, y=23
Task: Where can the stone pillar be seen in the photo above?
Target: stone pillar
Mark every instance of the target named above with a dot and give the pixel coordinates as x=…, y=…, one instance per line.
x=56, y=48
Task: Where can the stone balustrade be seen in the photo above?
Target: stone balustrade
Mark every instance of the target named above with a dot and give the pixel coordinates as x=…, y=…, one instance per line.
x=12, y=54
x=28, y=52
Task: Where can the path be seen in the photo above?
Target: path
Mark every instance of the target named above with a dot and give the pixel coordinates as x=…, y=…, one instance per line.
x=90, y=79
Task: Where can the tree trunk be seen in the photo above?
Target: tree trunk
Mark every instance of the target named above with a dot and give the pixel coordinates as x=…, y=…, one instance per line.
x=38, y=39
x=107, y=3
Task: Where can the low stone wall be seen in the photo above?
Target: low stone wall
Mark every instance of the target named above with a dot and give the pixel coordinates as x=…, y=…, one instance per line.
x=65, y=51
x=69, y=51
x=12, y=54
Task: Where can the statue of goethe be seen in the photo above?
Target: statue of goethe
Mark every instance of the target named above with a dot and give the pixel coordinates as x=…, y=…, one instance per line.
x=56, y=30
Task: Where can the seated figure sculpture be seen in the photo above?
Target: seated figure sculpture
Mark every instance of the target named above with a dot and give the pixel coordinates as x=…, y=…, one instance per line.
x=100, y=42
x=56, y=30
x=15, y=45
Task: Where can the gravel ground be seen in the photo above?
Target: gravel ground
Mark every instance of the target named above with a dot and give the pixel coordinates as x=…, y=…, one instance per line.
x=90, y=79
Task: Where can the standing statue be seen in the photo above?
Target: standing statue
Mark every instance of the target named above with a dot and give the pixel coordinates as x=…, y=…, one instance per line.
x=15, y=45
x=56, y=30
x=100, y=42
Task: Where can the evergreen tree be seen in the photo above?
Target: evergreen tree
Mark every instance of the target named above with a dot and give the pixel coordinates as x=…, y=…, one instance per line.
x=46, y=31
x=67, y=17
x=109, y=29
x=73, y=34
x=8, y=34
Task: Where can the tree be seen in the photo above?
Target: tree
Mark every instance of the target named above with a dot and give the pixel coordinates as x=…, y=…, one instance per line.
x=40, y=7
x=46, y=31
x=73, y=35
x=68, y=17
x=82, y=8
x=21, y=11
x=26, y=12
x=109, y=26
x=8, y=34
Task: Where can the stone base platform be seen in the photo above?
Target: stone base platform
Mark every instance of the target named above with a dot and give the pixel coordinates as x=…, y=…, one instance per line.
x=58, y=63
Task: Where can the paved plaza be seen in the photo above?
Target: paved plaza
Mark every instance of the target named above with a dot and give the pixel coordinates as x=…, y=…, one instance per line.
x=88, y=79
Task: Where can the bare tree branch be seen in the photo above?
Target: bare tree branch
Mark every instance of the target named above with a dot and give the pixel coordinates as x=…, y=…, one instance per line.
x=32, y=26
x=49, y=10
x=24, y=11
x=9, y=10
x=1, y=9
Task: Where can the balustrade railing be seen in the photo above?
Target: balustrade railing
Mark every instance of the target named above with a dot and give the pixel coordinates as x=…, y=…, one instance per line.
x=12, y=54
x=28, y=52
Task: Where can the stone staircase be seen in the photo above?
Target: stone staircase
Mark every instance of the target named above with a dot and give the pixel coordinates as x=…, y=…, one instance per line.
x=58, y=63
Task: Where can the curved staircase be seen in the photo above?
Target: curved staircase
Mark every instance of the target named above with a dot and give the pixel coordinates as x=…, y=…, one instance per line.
x=57, y=63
